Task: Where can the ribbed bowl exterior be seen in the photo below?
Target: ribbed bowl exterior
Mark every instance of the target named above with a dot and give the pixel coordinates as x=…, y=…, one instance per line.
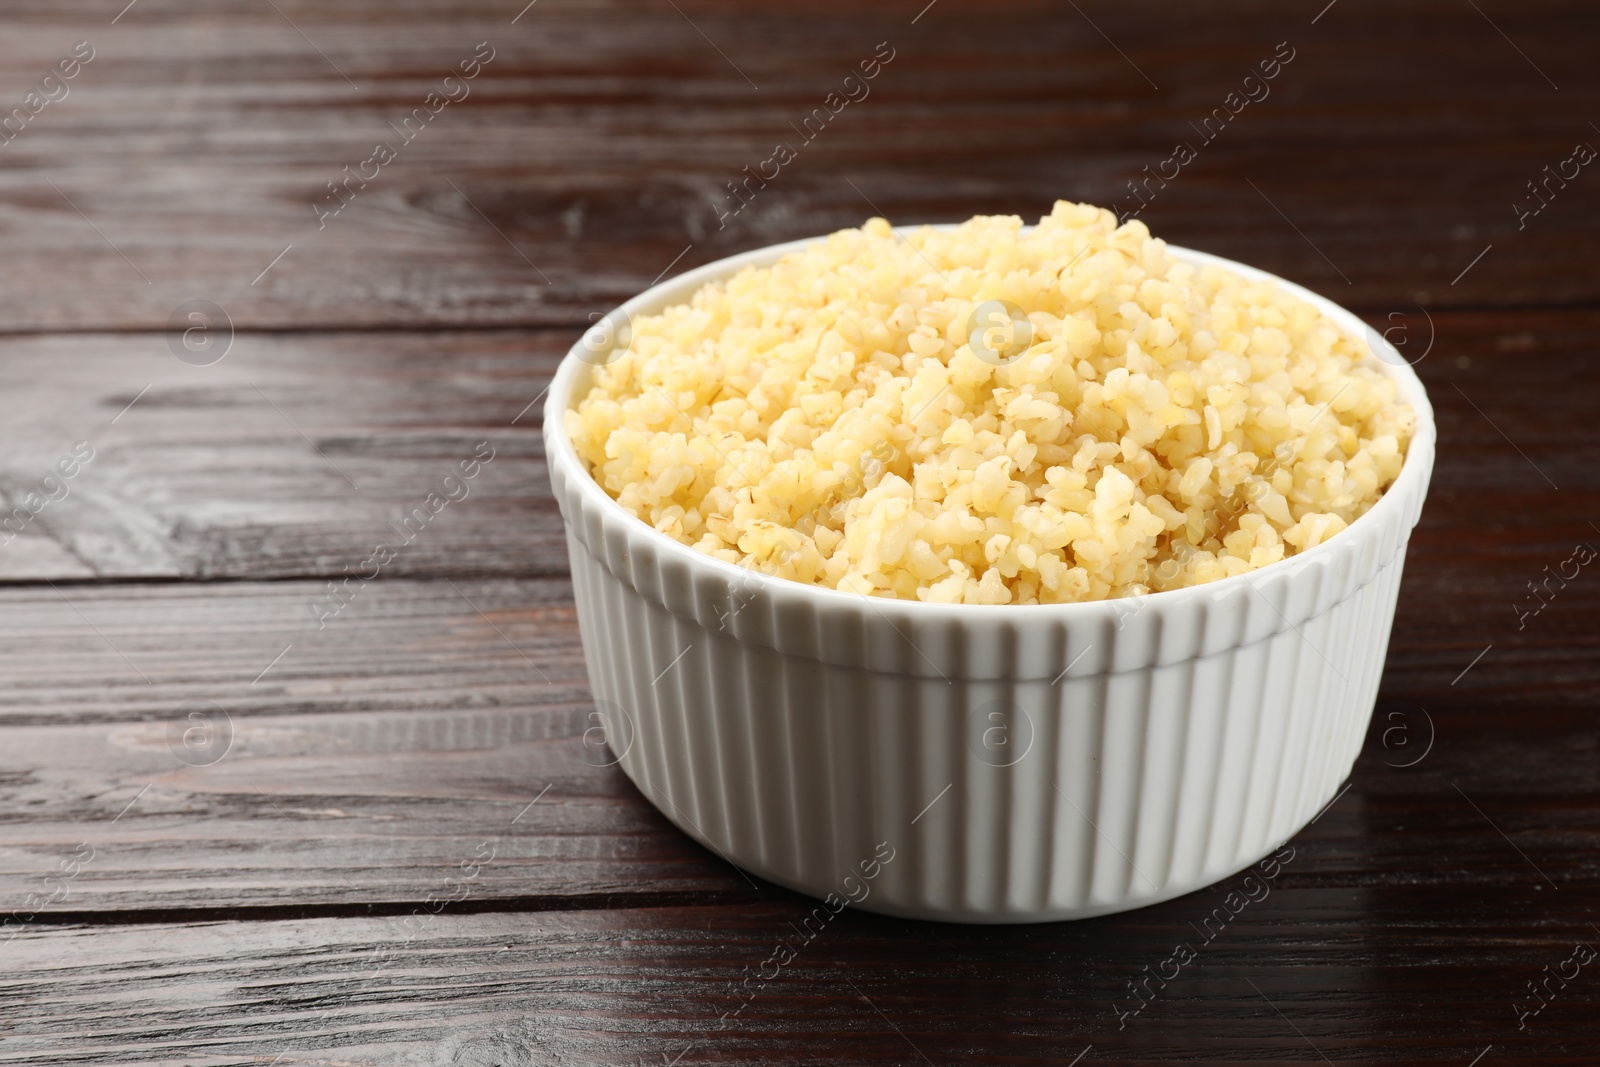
x=982, y=764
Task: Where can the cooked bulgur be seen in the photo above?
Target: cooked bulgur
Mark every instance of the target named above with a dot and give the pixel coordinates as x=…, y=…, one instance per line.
x=993, y=415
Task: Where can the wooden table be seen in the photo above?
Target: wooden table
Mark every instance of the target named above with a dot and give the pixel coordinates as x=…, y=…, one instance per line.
x=240, y=826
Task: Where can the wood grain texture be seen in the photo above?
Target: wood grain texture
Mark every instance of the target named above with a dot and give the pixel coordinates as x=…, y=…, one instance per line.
x=132, y=653
x=596, y=148
x=232, y=755
x=1289, y=980
x=389, y=844
x=364, y=814
x=306, y=449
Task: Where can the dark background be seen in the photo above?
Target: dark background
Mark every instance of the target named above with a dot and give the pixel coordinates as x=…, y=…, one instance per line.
x=237, y=826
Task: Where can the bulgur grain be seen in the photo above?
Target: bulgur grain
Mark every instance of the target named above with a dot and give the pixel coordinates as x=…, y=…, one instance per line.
x=994, y=415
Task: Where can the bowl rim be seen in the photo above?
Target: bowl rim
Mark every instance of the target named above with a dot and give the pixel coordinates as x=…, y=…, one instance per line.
x=1411, y=481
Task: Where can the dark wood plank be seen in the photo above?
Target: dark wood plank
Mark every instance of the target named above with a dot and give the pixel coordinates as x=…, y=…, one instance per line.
x=600, y=140
x=296, y=454
x=1513, y=495
x=1309, y=973
x=325, y=767
x=131, y=654
x=309, y=815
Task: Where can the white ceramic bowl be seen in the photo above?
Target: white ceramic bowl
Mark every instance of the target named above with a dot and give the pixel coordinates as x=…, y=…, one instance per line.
x=992, y=764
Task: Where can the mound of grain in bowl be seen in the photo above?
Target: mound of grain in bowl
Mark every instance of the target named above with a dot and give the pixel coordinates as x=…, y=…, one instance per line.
x=993, y=415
